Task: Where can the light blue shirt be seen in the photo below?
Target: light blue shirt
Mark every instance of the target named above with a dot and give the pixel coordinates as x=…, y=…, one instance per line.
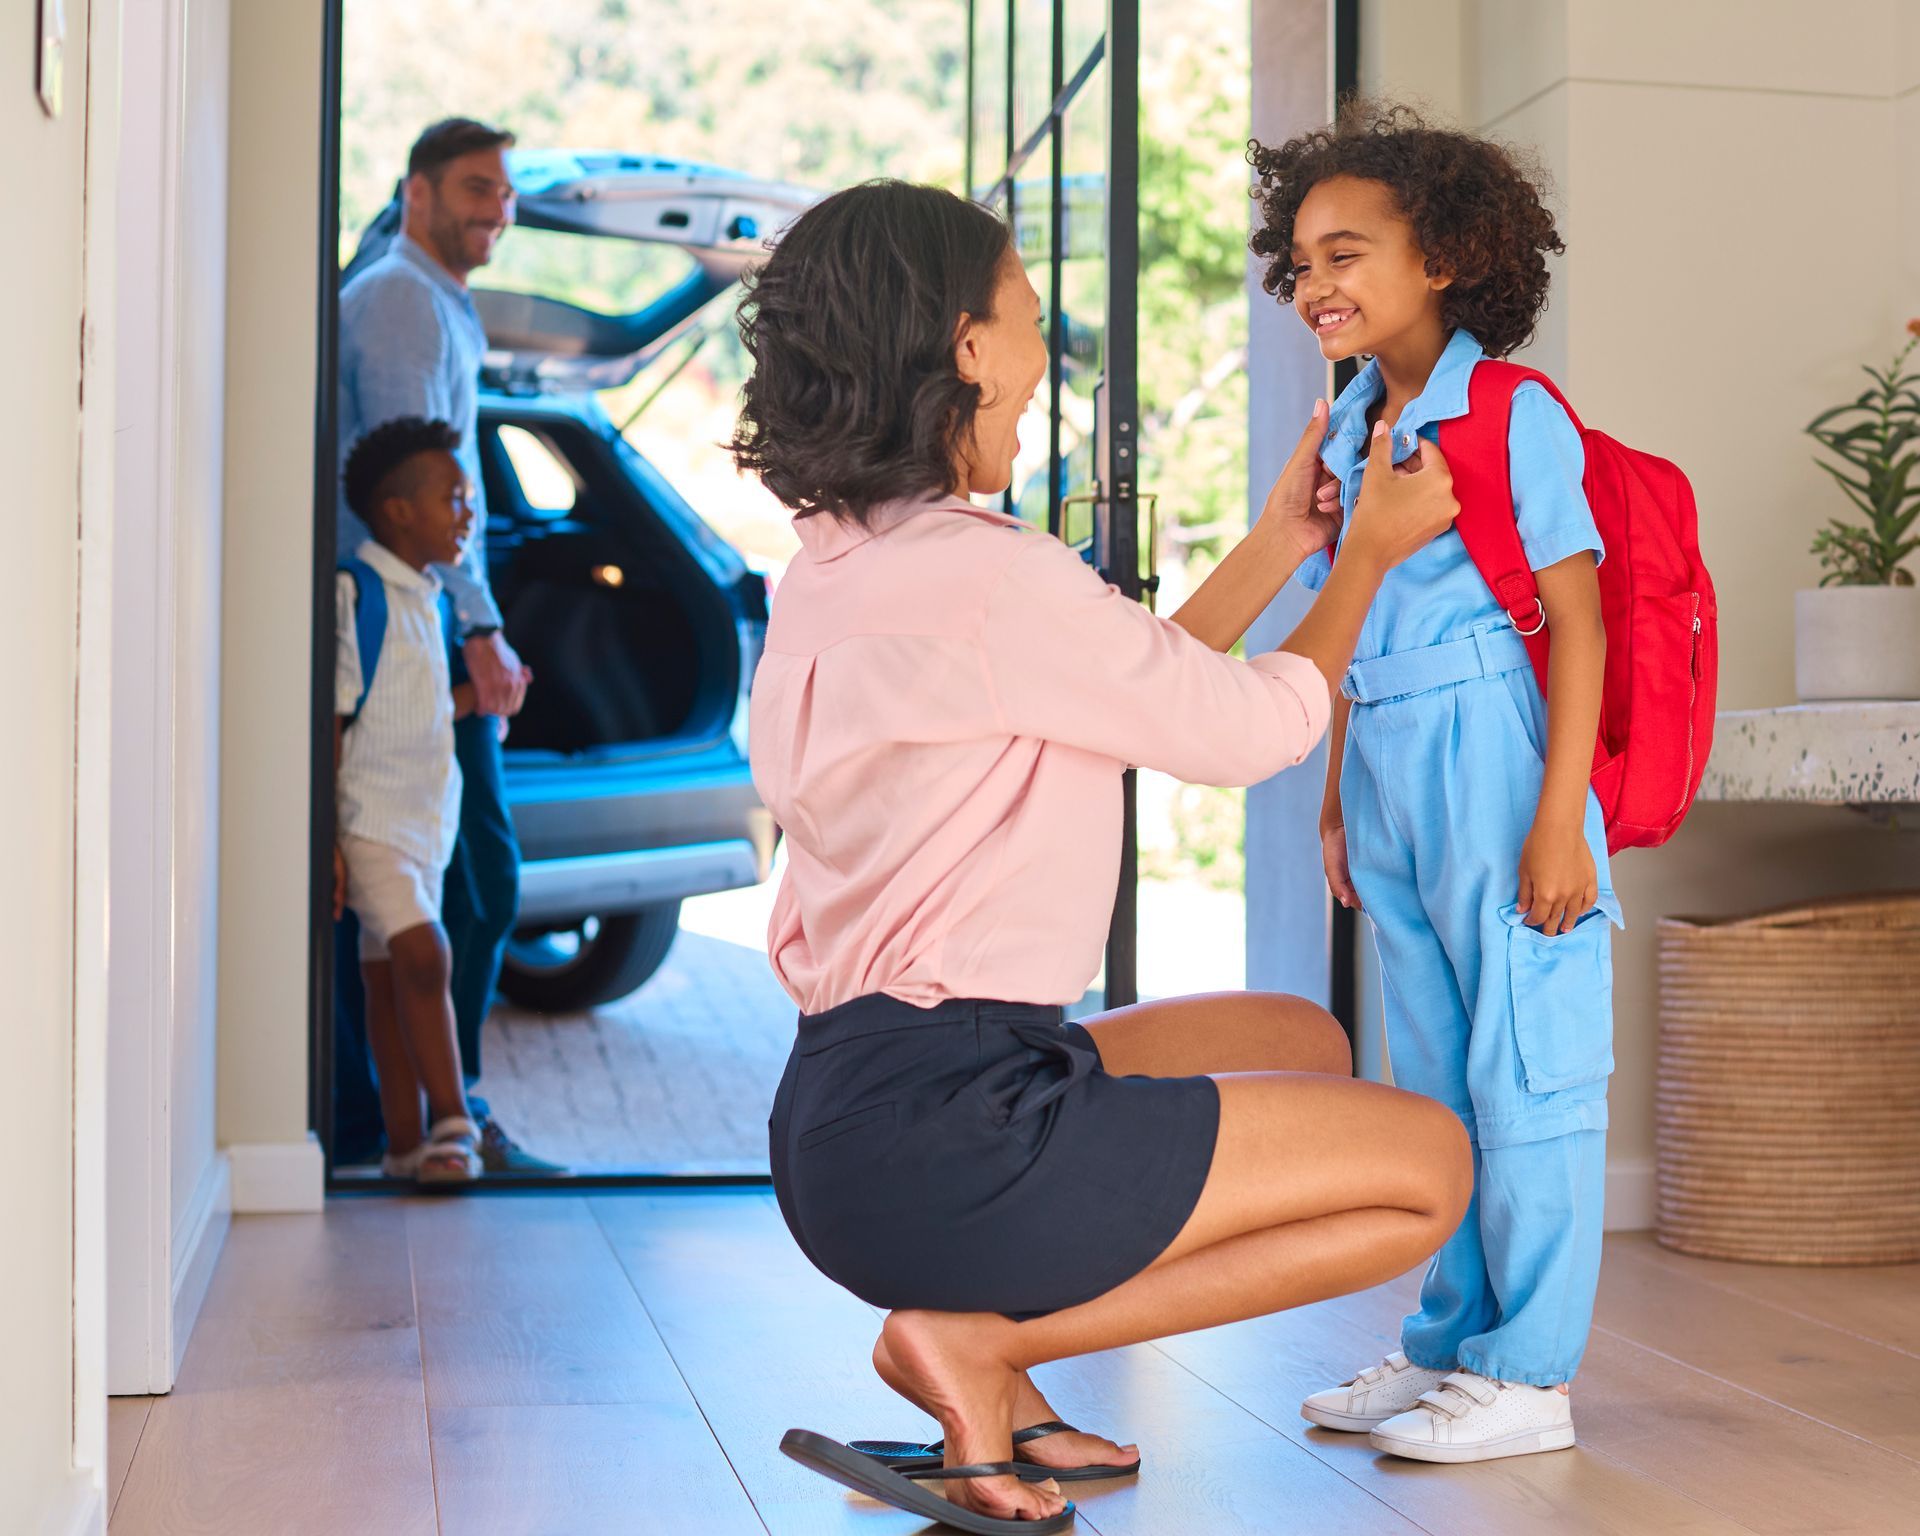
x=1436, y=594
x=411, y=344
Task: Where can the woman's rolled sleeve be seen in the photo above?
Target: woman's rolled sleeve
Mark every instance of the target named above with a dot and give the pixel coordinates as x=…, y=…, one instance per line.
x=1070, y=659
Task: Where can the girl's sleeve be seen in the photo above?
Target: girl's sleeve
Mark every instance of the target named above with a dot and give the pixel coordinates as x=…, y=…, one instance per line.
x=1070, y=659
x=1546, y=464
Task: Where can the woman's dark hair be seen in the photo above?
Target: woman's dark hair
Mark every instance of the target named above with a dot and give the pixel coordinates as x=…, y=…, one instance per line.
x=1474, y=205
x=854, y=398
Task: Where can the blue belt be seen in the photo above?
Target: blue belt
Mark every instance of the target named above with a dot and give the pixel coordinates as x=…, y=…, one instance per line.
x=1484, y=653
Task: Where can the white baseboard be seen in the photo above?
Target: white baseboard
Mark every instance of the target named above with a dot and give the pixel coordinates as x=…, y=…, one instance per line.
x=78, y=1509
x=1630, y=1194
x=275, y=1176
x=196, y=1248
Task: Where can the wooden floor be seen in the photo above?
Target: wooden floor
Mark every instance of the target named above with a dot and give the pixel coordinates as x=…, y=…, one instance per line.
x=627, y=1363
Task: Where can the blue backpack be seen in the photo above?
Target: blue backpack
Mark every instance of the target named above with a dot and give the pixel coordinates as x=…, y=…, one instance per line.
x=369, y=623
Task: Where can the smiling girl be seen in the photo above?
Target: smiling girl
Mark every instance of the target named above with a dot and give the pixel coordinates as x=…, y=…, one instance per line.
x=1458, y=812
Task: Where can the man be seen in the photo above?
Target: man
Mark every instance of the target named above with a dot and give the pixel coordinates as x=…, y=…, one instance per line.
x=411, y=344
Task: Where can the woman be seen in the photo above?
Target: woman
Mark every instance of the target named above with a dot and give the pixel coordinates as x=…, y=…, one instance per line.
x=940, y=724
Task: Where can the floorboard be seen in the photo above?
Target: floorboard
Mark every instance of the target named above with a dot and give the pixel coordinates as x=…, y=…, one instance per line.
x=571, y=1364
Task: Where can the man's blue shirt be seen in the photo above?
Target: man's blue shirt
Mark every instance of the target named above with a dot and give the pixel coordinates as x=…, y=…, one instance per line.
x=411, y=344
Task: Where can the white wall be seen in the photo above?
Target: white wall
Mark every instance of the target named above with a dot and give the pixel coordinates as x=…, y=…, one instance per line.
x=49, y=1283
x=166, y=1200
x=1729, y=180
x=267, y=603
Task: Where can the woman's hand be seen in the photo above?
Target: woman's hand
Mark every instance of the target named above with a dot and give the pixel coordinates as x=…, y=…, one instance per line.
x=339, y=883
x=1558, y=882
x=1398, y=514
x=1333, y=854
x=1298, y=510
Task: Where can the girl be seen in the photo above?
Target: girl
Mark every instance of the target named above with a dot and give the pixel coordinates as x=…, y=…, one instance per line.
x=1458, y=813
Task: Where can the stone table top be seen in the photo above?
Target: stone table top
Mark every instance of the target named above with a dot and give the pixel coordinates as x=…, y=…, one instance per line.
x=1817, y=754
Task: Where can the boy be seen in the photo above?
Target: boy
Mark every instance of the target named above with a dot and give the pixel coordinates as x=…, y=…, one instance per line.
x=399, y=783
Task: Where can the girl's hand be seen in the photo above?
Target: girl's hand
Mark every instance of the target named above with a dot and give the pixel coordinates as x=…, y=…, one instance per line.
x=1558, y=882
x=1333, y=854
x=1297, y=508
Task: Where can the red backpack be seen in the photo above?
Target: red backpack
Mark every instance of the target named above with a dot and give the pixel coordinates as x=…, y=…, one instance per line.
x=1656, y=715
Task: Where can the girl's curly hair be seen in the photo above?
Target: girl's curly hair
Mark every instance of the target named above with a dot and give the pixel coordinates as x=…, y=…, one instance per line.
x=854, y=398
x=1475, y=207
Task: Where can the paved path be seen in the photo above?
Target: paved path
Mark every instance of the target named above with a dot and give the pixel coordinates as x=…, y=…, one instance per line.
x=679, y=1077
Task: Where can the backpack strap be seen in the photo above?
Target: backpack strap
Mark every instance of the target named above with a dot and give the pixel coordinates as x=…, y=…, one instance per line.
x=369, y=623
x=1476, y=450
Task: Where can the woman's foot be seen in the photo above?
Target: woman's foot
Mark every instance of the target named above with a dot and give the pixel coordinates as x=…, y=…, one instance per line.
x=1073, y=1448
x=953, y=1364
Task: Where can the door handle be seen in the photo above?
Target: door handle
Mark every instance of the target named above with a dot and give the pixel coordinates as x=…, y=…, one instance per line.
x=1150, y=500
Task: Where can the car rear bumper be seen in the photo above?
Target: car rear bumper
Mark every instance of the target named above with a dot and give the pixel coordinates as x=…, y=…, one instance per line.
x=606, y=839
x=558, y=890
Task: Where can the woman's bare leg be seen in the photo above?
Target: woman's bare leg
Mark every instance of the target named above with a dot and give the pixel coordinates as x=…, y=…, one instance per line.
x=1214, y=1032
x=1283, y=1220
x=1177, y=1037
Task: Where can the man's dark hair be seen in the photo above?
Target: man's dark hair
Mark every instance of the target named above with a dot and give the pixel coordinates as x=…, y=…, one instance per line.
x=1474, y=205
x=448, y=140
x=854, y=398
x=375, y=467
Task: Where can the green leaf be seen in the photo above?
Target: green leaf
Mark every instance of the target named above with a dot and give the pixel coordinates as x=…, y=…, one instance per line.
x=1856, y=492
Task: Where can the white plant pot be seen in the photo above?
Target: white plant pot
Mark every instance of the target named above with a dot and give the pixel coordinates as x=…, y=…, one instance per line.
x=1857, y=643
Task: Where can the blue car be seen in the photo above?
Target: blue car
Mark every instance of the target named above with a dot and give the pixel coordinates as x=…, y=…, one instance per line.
x=627, y=770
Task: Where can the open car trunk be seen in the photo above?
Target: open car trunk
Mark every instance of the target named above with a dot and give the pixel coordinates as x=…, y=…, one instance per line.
x=631, y=635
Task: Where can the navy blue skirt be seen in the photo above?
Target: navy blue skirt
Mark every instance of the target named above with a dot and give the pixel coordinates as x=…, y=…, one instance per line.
x=976, y=1157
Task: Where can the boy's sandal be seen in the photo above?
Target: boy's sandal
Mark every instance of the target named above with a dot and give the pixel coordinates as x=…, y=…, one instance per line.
x=405, y=1166
x=451, y=1154
x=912, y=1459
x=866, y=1474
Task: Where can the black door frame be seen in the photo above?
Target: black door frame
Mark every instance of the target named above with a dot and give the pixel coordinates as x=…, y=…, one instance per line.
x=1343, y=934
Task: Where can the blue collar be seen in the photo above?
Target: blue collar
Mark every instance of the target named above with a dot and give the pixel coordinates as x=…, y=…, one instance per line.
x=1443, y=397
x=408, y=249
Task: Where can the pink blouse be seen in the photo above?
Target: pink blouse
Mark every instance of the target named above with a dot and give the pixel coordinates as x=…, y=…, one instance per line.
x=940, y=723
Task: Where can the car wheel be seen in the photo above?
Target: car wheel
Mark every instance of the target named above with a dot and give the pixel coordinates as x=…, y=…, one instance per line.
x=589, y=963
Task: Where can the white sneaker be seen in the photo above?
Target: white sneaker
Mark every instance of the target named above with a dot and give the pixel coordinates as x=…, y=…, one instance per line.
x=1474, y=1418
x=1371, y=1398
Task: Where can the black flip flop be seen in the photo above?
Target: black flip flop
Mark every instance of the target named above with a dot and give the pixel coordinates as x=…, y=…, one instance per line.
x=864, y=1474
x=912, y=1459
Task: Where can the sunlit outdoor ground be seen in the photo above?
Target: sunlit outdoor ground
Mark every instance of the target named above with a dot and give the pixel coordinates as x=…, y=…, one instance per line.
x=680, y=1075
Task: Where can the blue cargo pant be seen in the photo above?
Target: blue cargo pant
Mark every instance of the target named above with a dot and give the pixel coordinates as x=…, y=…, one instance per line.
x=1511, y=1030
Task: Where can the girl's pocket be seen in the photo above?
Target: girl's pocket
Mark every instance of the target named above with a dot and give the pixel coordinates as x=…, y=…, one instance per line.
x=1562, y=995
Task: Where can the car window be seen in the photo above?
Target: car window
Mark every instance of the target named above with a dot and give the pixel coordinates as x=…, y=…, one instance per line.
x=546, y=484
x=612, y=277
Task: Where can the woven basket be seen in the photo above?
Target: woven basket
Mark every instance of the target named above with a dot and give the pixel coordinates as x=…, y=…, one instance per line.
x=1788, y=1106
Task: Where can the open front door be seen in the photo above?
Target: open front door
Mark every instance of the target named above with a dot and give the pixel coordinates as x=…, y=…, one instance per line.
x=1053, y=143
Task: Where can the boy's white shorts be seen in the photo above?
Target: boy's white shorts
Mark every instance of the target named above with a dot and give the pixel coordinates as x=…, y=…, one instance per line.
x=389, y=892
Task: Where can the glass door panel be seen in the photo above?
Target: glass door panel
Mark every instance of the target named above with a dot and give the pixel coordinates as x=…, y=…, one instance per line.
x=1064, y=174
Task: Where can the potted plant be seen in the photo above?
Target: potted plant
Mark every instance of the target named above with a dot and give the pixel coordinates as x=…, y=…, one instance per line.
x=1857, y=635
